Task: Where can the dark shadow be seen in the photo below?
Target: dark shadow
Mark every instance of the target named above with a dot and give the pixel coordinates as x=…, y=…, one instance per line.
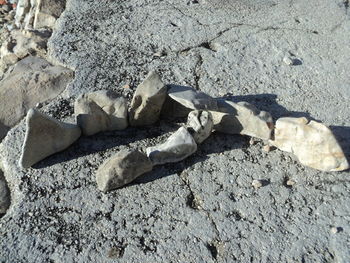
x=342, y=134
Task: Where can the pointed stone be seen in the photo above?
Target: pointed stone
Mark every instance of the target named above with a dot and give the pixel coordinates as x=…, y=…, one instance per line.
x=312, y=143
x=148, y=100
x=177, y=147
x=200, y=125
x=121, y=169
x=45, y=136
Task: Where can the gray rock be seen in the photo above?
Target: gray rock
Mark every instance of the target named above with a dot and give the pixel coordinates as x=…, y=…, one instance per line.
x=200, y=124
x=172, y=109
x=190, y=98
x=45, y=136
x=33, y=80
x=100, y=111
x=4, y=194
x=177, y=147
x=121, y=169
x=148, y=100
x=242, y=118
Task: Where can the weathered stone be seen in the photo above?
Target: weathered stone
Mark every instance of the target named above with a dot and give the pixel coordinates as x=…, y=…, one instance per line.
x=147, y=101
x=176, y=148
x=190, y=98
x=121, y=169
x=33, y=80
x=4, y=194
x=45, y=136
x=101, y=111
x=242, y=118
x=311, y=142
x=200, y=124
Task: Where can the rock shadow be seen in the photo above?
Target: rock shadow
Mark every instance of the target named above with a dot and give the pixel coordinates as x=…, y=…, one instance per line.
x=342, y=134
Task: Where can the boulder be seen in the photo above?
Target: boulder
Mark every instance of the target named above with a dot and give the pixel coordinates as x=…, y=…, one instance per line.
x=148, y=100
x=101, y=111
x=44, y=137
x=177, y=147
x=312, y=143
x=200, y=125
x=121, y=169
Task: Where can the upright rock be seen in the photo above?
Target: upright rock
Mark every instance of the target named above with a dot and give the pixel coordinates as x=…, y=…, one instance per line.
x=101, y=111
x=200, y=124
x=45, y=136
x=311, y=142
x=4, y=195
x=147, y=101
x=121, y=169
x=177, y=147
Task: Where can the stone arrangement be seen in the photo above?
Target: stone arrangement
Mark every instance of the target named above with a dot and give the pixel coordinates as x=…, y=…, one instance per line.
x=312, y=143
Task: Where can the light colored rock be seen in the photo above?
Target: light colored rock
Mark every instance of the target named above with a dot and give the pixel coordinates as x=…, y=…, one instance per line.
x=257, y=184
x=45, y=136
x=192, y=99
x=33, y=80
x=176, y=148
x=4, y=194
x=242, y=118
x=101, y=111
x=311, y=142
x=121, y=169
x=148, y=100
x=200, y=124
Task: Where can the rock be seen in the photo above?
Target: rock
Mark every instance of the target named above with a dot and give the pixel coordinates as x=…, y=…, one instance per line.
x=176, y=148
x=121, y=169
x=45, y=136
x=242, y=118
x=192, y=99
x=33, y=80
x=311, y=142
x=172, y=109
x=4, y=194
x=257, y=184
x=101, y=111
x=147, y=101
x=200, y=124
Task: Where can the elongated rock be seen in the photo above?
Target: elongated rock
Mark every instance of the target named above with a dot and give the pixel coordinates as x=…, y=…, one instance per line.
x=200, y=124
x=312, y=143
x=45, y=136
x=242, y=118
x=176, y=148
x=100, y=111
x=148, y=100
x=121, y=169
x=4, y=195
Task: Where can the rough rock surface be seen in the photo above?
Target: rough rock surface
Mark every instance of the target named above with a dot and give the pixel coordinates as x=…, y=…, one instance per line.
x=33, y=80
x=312, y=143
x=4, y=195
x=121, y=169
x=44, y=137
x=177, y=147
x=148, y=100
x=204, y=208
x=200, y=124
x=100, y=111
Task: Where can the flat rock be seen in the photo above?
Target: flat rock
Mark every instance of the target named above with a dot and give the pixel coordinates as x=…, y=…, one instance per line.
x=177, y=147
x=242, y=118
x=148, y=100
x=100, y=111
x=312, y=143
x=200, y=124
x=45, y=136
x=122, y=169
x=4, y=194
x=33, y=80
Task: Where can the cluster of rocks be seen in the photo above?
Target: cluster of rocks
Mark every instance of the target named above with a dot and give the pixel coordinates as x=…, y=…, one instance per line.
x=7, y=13
x=312, y=143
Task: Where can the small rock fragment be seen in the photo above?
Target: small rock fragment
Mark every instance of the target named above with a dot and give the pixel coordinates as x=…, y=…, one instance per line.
x=100, y=111
x=45, y=136
x=311, y=142
x=121, y=169
x=290, y=182
x=201, y=124
x=266, y=148
x=148, y=100
x=176, y=148
x=257, y=184
x=4, y=195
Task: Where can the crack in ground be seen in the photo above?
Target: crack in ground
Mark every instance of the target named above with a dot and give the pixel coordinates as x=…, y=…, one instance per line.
x=197, y=73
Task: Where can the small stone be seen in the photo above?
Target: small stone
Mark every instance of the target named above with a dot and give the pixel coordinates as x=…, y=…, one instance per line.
x=252, y=141
x=100, y=111
x=148, y=100
x=290, y=182
x=200, y=124
x=45, y=136
x=4, y=194
x=335, y=230
x=177, y=147
x=288, y=61
x=257, y=184
x=266, y=148
x=311, y=142
x=121, y=169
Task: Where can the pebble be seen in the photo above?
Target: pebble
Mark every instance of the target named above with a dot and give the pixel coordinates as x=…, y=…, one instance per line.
x=257, y=184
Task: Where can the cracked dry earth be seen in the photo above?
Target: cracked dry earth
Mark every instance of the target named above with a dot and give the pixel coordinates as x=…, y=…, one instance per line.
x=203, y=209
